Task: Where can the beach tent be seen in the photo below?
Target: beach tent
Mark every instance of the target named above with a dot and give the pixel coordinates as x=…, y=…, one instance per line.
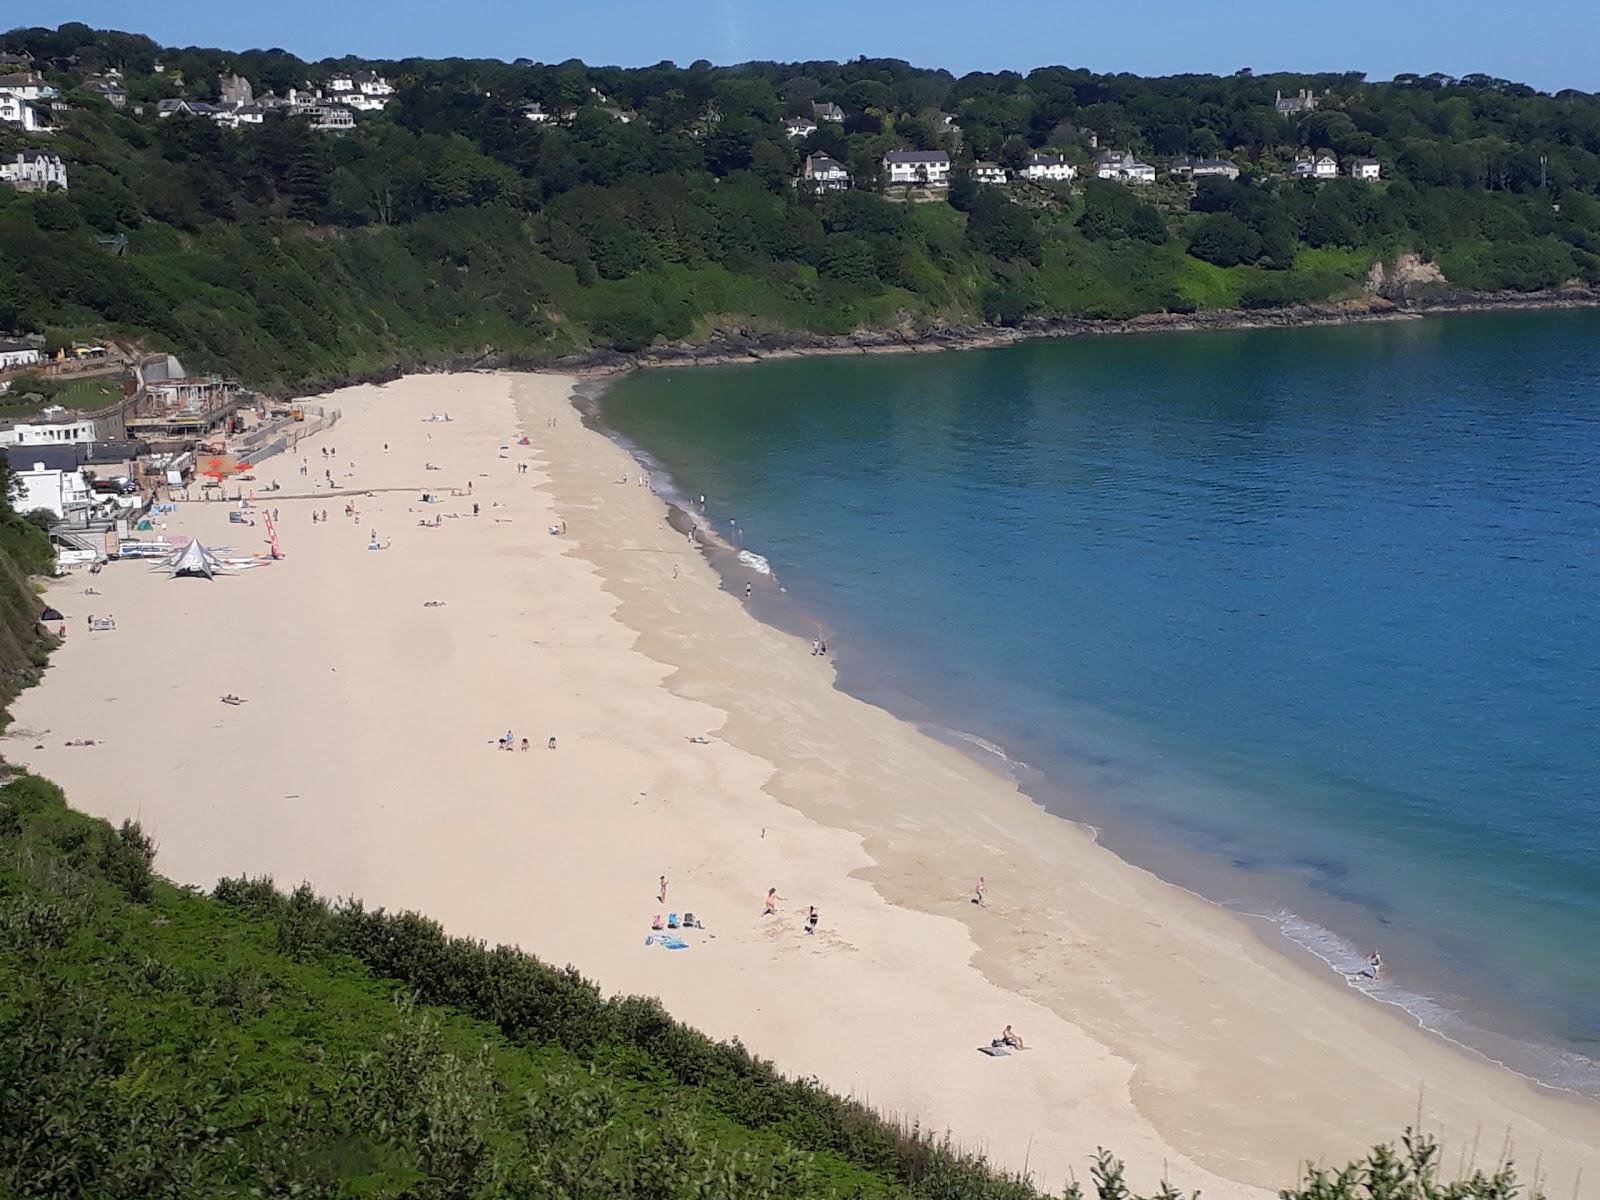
x=194, y=559
x=51, y=614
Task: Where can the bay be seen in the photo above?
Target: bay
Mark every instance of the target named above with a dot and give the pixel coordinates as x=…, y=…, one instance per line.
x=1305, y=620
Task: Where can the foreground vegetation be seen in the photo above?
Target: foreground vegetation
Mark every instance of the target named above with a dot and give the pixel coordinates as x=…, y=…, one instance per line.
x=155, y=1041
x=448, y=223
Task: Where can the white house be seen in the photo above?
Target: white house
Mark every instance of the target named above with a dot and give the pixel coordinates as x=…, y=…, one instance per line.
x=827, y=111
x=25, y=85
x=1321, y=166
x=1122, y=166
x=68, y=429
x=1203, y=168
x=17, y=354
x=55, y=491
x=329, y=118
x=1365, y=169
x=1048, y=168
x=535, y=112
x=799, y=127
x=988, y=172
x=824, y=174
x=16, y=111
x=173, y=108
x=1289, y=106
x=930, y=168
x=364, y=91
x=34, y=171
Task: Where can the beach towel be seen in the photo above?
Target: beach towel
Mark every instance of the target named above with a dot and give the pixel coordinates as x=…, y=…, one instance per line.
x=667, y=940
x=994, y=1051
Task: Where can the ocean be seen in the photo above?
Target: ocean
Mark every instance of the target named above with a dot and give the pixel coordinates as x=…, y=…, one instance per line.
x=1305, y=620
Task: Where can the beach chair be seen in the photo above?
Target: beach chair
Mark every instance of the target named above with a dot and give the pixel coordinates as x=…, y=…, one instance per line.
x=672, y=920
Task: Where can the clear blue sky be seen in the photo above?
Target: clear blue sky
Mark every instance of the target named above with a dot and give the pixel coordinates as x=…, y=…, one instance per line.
x=1550, y=44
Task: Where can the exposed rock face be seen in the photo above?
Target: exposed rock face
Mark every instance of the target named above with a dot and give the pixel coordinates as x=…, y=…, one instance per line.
x=1407, y=280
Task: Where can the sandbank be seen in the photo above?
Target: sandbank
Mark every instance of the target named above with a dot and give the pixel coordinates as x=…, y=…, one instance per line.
x=365, y=761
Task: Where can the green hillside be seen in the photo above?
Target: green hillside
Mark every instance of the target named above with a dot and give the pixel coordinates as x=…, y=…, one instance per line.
x=659, y=204
x=156, y=1041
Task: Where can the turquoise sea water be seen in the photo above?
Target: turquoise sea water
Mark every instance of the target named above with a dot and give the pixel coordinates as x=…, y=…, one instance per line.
x=1308, y=620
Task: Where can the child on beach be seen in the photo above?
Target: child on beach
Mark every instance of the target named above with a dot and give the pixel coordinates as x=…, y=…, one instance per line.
x=978, y=899
x=663, y=894
x=812, y=917
x=772, y=903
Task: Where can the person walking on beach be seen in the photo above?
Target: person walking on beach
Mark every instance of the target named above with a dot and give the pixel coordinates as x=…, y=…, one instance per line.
x=772, y=903
x=749, y=590
x=978, y=899
x=662, y=894
x=812, y=917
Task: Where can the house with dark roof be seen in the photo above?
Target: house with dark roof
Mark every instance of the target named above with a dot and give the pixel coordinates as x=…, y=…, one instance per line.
x=1202, y=168
x=1048, y=168
x=34, y=171
x=827, y=111
x=824, y=174
x=113, y=93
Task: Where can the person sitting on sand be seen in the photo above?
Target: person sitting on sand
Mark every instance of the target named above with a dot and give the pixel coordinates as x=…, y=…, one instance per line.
x=552, y=744
x=1374, y=967
x=1008, y=1038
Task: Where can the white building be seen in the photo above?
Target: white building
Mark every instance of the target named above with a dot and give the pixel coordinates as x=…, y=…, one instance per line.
x=827, y=111
x=34, y=171
x=1123, y=166
x=329, y=118
x=16, y=111
x=17, y=354
x=364, y=91
x=55, y=491
x=1203, y=168
x=1048, y=168
x=824, y=174
x=799, y=127
x=69, y=429
x=25, y=85
x=109, y=90
x=1321, y=166
x=535, y=112
x=1365, y=169
x=930, y=168
x=988, y=172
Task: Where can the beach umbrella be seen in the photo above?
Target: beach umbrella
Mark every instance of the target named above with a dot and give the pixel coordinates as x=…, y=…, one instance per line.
x=51, y=614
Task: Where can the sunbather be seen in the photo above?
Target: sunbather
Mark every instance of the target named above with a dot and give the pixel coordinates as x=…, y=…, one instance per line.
x=1008, y=1038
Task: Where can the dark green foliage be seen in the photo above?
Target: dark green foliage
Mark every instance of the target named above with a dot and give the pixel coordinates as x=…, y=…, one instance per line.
x=449, y=224
x=256, y=1043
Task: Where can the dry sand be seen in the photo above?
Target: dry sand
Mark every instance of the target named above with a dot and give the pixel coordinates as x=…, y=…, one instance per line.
x=365, y=762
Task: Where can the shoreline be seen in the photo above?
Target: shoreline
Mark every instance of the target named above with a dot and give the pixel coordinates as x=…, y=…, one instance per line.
x=1164, y=1031
x=722, y=348
x=1309, y=939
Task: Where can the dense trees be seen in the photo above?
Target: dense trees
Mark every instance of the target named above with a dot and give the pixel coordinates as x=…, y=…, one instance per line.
x=660, y=203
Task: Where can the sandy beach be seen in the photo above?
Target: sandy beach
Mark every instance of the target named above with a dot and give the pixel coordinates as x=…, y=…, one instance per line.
x=694, y=742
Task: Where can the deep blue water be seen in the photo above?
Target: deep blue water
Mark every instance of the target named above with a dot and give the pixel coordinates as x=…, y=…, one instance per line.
x=1308, y=620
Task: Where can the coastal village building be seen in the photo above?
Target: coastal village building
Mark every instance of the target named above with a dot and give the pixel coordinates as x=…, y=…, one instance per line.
x=25, y=85
x=1203, y=168
x=988, y=172
x=1289, y=106
x=535, y=112
x=928, y=168
x=57, y=491
x=1365, y=169
x=18, y=354
x=1048, y=168
x=56, y=427
x=824, y=174
x=113, y=93
x=34, y=171
x=16, y=111
x=799, y=127
x=827, y=111
x=328, y=118
x=948, y=127
x=363, y=91
x=1122, y=166
x=1321, y=166
x=234, y=89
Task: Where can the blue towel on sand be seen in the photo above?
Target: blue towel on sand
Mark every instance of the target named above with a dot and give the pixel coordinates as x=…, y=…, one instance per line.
x=667, y=940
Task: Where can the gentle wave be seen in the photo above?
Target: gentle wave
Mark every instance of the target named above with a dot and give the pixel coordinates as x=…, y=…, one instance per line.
x=755, y=562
